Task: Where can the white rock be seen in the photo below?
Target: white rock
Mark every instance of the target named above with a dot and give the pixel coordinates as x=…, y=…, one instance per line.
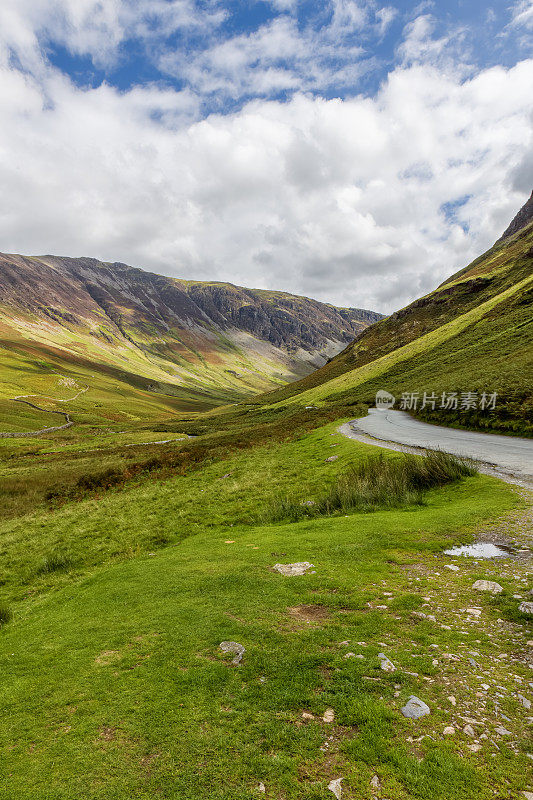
x=261, y=788
x=453, y=567
x=307, y=716
x=475, y=748
x=525, y=702
x=488, y=586
x=233, y=647
x=375, y=782
x=298, y=568
x=452, y=700
x=468, y=729
x=329, y=715
x=386, y=663
x=528, y=795
x=449, y=731
x=335, y=787
x=526, y=607
x=415, y=708
x=502, y=731
x=474, y=612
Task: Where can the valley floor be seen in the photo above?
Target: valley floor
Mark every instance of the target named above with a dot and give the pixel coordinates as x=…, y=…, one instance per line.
x=115, y=685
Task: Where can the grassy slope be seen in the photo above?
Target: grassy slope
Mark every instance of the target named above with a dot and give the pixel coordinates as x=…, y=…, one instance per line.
x=117, y=688
x=474, y=333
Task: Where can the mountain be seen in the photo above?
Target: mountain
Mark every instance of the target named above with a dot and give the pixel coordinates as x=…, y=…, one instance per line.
x=474, y=333
x=523, y=218
x=200, y=343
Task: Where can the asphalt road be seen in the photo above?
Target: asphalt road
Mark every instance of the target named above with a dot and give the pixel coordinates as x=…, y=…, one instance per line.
x=508, y=455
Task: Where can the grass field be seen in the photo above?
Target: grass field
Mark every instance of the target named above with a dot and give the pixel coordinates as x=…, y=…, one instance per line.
x=117, y=687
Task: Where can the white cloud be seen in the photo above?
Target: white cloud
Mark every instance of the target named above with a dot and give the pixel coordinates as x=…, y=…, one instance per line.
x=367, y=201
x=277, y=56
x=522, y=14
x=93, y=27
x=336, y=199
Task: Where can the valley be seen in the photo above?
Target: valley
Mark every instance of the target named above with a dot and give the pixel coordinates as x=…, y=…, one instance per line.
x=188, y=507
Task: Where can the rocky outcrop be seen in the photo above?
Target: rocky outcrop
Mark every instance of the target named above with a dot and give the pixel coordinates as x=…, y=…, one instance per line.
x=523, y=218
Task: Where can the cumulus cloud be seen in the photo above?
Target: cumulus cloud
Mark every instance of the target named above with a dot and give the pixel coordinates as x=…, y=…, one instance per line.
x=338, y=199
x=362, y=201
x=284, y=54
x=93, y=27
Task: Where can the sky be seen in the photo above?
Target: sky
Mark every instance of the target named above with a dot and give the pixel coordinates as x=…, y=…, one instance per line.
x=354, y=151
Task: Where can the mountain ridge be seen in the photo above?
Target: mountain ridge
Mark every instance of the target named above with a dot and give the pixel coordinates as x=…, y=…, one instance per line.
x=174, y=335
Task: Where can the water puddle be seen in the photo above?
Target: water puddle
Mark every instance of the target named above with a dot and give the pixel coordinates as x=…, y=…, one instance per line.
x=480, y=550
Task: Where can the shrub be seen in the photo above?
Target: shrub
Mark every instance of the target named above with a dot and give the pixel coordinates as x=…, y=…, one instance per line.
x=99, y=480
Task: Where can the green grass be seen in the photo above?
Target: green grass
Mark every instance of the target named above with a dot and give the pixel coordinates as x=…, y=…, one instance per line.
x=376, y=482
x=117, y=688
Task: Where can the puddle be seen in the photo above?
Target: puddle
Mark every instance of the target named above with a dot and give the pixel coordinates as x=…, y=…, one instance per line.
x=480, y=550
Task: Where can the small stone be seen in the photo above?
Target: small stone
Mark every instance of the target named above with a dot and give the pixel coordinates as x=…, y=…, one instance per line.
x=307, y=716
x=229, y=541
x=386, y=663
x=488, y=586
x=233, y=647
x=528, y=795
x=332, y=458
x=329, y=715
x=415, y=708
x=453, y=567
x=526, y=607
x=474, y=612
x=469, y=731
x=335, y=787
x=525, y=702
x=418, y=614
x=475, y=748
x=289, y=570
x=350, y=655
x=452, y=700
x=502, y=731
x=261, y=788
x=449, y=731
x=375, y=782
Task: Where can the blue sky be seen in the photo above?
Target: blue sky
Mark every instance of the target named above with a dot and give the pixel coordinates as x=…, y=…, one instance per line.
x=366, y=35
x=354, y=150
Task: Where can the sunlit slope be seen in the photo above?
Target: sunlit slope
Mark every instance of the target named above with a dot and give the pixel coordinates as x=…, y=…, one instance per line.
x=473, y=333
x=112, y=326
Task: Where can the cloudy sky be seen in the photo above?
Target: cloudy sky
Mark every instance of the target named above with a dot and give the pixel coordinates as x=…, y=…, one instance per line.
x=356, y=151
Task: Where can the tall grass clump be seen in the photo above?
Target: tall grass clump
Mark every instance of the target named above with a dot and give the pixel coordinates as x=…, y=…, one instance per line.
x=54, y=562
x=6, y=615
x=377, y=483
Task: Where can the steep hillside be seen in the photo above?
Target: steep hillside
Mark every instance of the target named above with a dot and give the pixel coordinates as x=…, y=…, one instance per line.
x=473, y=333
x=120, y=330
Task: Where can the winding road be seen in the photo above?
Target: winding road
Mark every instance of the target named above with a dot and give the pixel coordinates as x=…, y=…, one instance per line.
x=507, y=457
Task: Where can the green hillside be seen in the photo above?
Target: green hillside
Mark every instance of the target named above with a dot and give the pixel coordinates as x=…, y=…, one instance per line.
x=472, y=334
